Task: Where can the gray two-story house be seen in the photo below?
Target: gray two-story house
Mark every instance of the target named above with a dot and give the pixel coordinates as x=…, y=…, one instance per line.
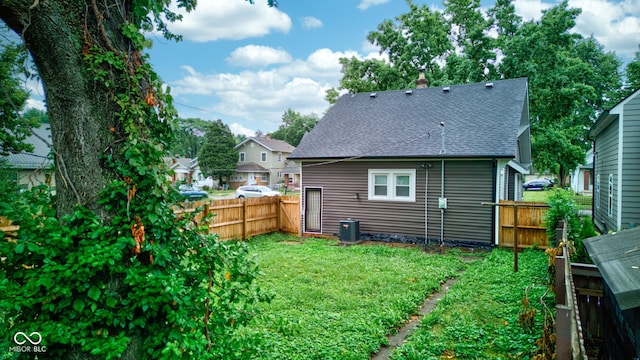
x=616, y=163
x=261, y=161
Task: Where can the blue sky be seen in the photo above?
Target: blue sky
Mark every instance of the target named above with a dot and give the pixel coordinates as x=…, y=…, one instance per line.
x=246, y=64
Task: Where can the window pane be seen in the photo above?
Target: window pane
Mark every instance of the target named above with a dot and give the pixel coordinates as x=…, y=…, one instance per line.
x=402, y=191
x=402, y=180
x=381, y=179
x=380, y=190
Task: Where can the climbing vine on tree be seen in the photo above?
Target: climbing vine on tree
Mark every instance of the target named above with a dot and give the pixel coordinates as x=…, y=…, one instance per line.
x=113, y=274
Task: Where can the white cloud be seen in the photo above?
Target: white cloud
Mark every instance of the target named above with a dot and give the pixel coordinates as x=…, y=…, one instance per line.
x=262, y=96
x=616, y=25
x=35, y=104
x=258, y=56
x=531, y=9
x=216, y=20
x=310, y=22
x=238, y=129
x=365, y=4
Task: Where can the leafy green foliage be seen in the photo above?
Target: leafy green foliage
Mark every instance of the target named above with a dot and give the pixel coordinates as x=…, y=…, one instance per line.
x=571, y=78
x=78, y=284
x=217, y=156
x=188, y=137
x=478, y=317
x=119, y=277
x=562, y=207
x=294, y=126
x=334, y=302
x=14, y=129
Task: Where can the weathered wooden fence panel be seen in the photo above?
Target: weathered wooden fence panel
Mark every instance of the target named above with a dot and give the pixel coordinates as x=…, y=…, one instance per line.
x=531, y=229
x=244, y=218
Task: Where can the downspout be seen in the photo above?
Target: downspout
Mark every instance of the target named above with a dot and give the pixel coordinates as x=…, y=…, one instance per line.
x=442, y=152
x=494, y=175
x=426, y=208
x=441, y=209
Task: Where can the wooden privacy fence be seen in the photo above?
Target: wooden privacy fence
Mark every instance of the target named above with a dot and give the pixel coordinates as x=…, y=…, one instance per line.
x=244, y=218
x=578, y=292
x=530, y=229
x=236, y=218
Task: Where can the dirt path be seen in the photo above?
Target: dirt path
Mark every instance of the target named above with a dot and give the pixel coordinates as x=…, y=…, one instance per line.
x=399, y=338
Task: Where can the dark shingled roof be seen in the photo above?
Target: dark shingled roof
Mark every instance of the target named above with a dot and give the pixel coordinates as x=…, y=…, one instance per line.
x=618, y=259
x=39, y=157
x=479, y=121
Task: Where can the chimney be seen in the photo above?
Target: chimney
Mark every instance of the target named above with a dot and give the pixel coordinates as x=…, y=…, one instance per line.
x=421, y=82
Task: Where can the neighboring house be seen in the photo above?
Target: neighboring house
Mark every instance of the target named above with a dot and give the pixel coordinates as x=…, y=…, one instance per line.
x=617, y=257
x=616, y=196
x=415, y=165
x=36, y=167
x=581, y=177
x=187, y=170
x=292, y=174
x=261, y=161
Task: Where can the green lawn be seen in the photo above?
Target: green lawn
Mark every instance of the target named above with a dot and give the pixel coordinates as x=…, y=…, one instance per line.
x=336, y=302
x=583, y=202
x=478, y=318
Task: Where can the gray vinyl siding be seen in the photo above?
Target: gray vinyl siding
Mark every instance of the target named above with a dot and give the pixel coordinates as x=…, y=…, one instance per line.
x=467, y=183
x=606, y=163
x=631, y=164
x=342, y=180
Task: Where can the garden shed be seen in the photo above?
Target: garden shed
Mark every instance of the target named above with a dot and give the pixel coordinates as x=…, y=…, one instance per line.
x=617, y=257
x=415, y=165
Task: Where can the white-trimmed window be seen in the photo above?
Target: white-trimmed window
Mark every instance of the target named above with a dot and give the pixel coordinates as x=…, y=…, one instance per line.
x=263, y=156
x=610, y=207
x=242, y=157
x=279, y=157
x=392, y=185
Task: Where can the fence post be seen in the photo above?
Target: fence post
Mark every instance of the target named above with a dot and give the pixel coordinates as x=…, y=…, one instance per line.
x=278, y=215
x=563, y=333
x=244, y=219
x=515, y=237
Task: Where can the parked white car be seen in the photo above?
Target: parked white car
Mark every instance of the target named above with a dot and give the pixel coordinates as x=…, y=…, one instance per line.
x=255, y=191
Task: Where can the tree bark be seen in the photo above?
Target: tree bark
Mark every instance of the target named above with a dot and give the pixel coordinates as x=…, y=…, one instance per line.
x=81, y=110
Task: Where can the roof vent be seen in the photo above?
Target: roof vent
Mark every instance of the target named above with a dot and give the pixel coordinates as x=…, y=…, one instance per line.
x=408, y=92
x=446, y=89
x=488, y=85
x=372, y=95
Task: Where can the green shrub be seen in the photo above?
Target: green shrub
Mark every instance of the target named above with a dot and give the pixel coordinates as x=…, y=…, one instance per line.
x=562, y=206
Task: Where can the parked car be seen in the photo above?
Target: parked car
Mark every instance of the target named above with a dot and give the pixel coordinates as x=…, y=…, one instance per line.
x=191, y=192
x=255, y=191
x=538, y=184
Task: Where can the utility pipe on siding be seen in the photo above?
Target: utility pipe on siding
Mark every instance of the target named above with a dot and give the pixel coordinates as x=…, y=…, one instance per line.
x=441, y=209
x=426, y=209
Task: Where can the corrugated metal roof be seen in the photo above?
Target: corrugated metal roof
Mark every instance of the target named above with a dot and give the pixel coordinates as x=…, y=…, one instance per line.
x=479, y=121
x=618, y=259
x=39, y=157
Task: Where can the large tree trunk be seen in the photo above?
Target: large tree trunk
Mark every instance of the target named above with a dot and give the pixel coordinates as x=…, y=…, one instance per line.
x=81, y=110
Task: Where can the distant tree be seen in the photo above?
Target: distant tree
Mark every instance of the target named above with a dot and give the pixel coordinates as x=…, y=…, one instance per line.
x=188, y=137
x=331, y=95
x=240, y=138
x=36, y=116
x=218, y=157
x=571, y=79
x=418, y=38
x=469, y=32
x=294, y=126
x=632, y=75
x=14, y=128
x=259, y=133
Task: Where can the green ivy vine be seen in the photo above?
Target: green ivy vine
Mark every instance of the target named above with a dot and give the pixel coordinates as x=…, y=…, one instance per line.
x=143, y=283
